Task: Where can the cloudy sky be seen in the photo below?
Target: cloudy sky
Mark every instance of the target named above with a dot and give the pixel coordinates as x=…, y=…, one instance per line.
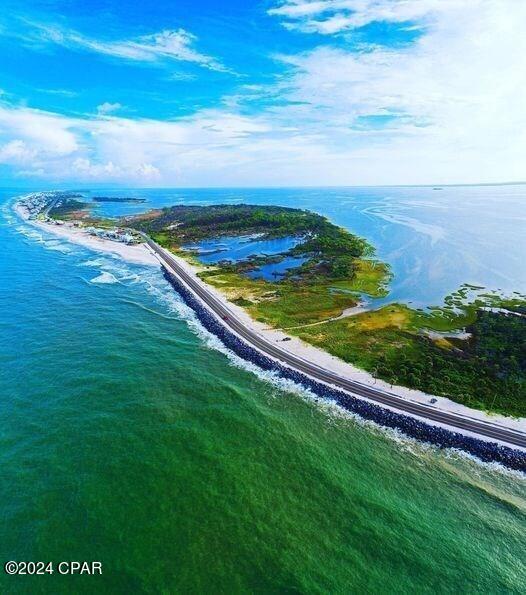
x=262, y=92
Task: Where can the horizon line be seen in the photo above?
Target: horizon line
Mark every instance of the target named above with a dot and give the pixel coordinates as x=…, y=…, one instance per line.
x=87, y=186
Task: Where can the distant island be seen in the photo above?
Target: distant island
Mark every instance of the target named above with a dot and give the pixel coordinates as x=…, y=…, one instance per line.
x=117, y=199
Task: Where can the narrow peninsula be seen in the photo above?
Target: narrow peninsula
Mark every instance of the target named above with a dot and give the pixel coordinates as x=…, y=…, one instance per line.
x=296, y=271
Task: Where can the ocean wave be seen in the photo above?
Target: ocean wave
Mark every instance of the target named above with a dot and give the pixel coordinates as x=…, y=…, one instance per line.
x=57, y=247
x=132, y=278
x=49, y=242
x=94, y=262
x=30, y=233
x=150, y=310
x=114, y=268
x=105, y=278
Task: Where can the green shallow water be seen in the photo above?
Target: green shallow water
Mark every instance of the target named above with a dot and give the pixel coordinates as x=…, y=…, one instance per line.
x=127, y=437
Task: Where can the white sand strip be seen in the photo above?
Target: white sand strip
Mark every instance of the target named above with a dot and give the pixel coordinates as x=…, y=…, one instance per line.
x=137, y=253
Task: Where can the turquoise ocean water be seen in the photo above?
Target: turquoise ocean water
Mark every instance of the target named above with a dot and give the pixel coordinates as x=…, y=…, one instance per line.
x=129, y=435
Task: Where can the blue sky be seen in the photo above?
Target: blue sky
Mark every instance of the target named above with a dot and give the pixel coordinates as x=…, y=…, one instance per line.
x=273, y=92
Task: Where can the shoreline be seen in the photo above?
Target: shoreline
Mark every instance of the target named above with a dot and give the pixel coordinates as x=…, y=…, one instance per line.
x=484, y=447
x=308, y=352
x=137, y=254
x=142, y=254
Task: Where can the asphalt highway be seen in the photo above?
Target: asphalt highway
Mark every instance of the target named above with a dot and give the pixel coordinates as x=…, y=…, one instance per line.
x=483, y=429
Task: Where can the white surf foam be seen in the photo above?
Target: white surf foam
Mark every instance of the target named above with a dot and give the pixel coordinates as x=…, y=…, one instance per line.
x=30, y=233
x=94, y=262
x=58, y=247
x=105, y=278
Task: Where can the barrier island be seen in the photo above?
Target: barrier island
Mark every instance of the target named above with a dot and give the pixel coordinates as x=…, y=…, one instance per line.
x=295, y=270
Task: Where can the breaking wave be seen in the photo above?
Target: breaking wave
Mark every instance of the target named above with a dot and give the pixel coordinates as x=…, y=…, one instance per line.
x=105, y=278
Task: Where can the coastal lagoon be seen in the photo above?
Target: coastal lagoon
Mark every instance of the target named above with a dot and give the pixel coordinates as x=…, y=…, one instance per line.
x=277, y=270
x=237, y=248
x=130, y=436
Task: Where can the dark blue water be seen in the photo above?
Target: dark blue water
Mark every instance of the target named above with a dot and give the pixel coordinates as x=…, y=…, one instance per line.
x=276, y=270
x=236, y=248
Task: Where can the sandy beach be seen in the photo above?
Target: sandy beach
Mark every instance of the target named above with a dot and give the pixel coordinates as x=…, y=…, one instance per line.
x=138, y=254
x=141, y=254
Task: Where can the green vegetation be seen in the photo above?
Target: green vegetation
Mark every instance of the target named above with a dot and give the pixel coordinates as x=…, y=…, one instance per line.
x=280, y=304
x=69, y=209
x=184, y=224
x=337, y=269
x=484, y=368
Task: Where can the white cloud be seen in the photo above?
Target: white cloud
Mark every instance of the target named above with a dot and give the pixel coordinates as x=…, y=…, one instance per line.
x=123, y=150
x=51, y=133
x=456, y=95
x=107, y=108
x=168, y=45
x=447, y=108
x=148, y=171
x=16, y=152
x=31, y=173
x=84, y=169
x=182, y=76
x=333, y=16
x=60, y=92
